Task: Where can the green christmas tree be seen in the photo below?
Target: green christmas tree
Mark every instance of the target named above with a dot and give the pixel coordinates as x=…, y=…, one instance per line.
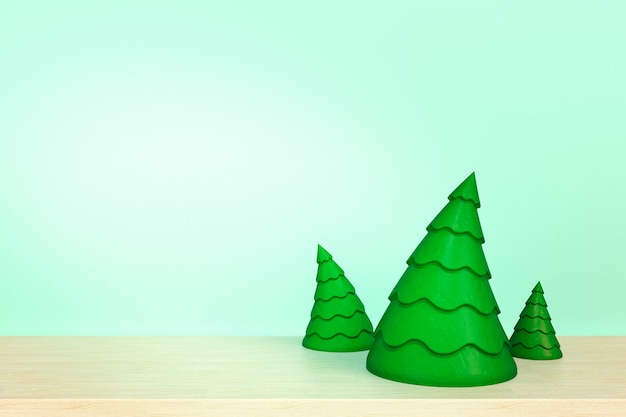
x=441, y=327
x=534, y=336
x=338, y=320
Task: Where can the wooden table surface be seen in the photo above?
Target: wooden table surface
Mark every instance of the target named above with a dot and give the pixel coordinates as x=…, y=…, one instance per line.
x=276, y=376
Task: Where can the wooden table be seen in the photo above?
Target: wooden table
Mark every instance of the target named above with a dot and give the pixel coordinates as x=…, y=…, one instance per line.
x=276, y=376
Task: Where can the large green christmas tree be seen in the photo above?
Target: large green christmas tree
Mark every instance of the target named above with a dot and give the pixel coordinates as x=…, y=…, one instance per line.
x=534, y=337
x=338, y=320
x=441, y=327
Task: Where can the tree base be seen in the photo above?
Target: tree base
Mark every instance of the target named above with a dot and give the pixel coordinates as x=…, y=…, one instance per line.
x=536, y=352
x=339, y=342
x=413, y=363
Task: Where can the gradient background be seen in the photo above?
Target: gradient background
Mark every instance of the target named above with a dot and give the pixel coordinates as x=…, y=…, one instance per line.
x=169, y=167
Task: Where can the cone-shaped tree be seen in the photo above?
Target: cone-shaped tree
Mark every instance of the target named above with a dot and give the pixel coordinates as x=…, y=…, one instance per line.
x=338, y=320
x=534, y=336
x=441, y=327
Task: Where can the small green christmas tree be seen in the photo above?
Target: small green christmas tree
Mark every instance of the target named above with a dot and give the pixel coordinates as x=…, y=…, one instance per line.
x=441, y=327
x=338, y=320
x=534, y=336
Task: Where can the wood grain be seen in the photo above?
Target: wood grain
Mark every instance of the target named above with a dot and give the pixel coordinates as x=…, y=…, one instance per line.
x=239, y=376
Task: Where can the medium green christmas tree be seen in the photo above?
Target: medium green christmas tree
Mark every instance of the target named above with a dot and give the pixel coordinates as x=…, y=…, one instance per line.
x=441, y=327
x=338, y=320
x=534, y=336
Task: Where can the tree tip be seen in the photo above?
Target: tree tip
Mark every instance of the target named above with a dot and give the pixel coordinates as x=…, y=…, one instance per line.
x=322, y=254
x=538, y=287
x=467, y=190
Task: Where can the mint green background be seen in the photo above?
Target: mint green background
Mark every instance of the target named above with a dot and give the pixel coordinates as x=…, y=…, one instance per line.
x=169, y=168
